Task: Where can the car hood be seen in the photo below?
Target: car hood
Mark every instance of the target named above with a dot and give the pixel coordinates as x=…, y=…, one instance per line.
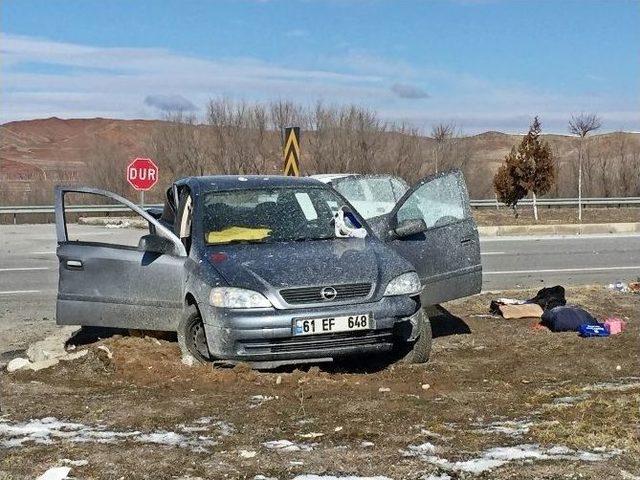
x=268, y=266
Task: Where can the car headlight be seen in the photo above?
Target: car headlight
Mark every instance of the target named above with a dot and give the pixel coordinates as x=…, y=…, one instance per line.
x=405, y=284
x=231, y=297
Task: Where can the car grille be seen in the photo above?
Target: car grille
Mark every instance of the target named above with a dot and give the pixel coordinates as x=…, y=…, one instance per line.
x=313, y=294
x=327, y=342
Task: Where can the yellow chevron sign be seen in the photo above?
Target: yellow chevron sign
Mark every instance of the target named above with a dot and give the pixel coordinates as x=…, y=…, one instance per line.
x=292, y=151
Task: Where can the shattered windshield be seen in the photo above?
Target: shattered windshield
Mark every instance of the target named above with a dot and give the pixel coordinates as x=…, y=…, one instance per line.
x=371, y=196
x=270, y=214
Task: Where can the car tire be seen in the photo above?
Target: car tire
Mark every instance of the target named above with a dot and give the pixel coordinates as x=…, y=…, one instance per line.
x=419, y=350
x=191, y=337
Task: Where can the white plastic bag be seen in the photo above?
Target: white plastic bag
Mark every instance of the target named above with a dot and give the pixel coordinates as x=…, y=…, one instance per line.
x=343, y=230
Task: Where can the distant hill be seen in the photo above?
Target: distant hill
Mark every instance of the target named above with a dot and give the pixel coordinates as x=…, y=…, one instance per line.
x=57, y=150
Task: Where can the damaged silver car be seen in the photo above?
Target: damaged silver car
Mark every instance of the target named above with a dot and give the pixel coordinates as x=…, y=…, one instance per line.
x=276, y=270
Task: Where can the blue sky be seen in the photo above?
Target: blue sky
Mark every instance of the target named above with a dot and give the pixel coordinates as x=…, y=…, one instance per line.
x=482, y=64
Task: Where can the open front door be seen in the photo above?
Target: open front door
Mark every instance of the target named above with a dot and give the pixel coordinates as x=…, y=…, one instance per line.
x=120, y=277
x=446, y=254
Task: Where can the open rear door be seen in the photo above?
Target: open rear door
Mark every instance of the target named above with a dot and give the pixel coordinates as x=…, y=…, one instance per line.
x=447, y=254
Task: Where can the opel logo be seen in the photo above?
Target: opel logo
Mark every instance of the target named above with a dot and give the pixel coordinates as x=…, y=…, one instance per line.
x=328, y=293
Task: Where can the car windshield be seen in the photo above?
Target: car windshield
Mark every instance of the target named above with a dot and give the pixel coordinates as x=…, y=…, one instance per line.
x=371, y=196
x=270, y=215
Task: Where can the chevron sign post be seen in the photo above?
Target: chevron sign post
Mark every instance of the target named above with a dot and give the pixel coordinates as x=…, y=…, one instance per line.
x=292, y=151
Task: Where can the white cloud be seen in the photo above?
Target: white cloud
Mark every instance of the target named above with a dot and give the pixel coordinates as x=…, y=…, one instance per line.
x=75, y=80
x=89, y=81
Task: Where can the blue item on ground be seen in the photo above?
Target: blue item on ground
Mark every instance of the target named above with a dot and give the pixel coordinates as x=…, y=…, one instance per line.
x=597, y=330
x=566, y=318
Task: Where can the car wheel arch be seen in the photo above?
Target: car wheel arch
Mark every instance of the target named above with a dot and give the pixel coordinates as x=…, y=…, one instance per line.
x=190, y=299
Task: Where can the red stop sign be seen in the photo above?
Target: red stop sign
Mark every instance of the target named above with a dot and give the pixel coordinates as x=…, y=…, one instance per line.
x=142, y=174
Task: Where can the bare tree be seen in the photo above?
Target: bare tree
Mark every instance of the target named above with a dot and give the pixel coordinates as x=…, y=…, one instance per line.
x=442, y=134
x=180, y=146
x=407, y=151
x=581, y=125
x=107, y=164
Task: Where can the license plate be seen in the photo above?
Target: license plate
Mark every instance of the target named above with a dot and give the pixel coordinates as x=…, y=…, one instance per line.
x=316, y=326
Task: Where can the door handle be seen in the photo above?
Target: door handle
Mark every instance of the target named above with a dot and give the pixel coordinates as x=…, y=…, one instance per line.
x=74, y=264
x=467, y=240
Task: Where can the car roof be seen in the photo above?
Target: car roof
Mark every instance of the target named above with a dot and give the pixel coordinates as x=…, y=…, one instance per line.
x=242, y=182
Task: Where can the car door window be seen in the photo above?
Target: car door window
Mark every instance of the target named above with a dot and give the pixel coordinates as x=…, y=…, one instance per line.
x=120, y=228
x=438, y=202
x=111, y=221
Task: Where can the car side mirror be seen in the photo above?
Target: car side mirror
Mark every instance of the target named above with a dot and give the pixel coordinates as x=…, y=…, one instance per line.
x=156, y=244
x=406, y=228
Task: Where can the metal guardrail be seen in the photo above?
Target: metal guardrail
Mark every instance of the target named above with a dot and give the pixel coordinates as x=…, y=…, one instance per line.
x=70, y=208
x=564, y=202
x=485, y=203
x=33, y=209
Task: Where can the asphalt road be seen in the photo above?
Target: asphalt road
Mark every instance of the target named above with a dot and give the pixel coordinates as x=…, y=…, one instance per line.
x=28, y=269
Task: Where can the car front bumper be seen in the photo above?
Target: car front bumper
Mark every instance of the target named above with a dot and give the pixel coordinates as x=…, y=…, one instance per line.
x=265, y=335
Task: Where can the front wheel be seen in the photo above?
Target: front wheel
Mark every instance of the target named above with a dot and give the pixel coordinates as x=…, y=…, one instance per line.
x=419, y=350
x=191, y=336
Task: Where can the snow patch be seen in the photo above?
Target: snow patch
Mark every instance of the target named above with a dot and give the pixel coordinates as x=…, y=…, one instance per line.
x=247, y=453
x=226, y=429
x=257, y=400
x=332, y=477
x=512, y=428
x=611, y=387
x=287, y=446
x=421, y=449
x=567, y=401
x=50, y=430
x=56, y=473
x=75, y=463
x=498, y=456
x=310, y=435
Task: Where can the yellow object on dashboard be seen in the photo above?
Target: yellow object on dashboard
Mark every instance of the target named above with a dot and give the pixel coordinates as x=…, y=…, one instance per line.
x=234, y=234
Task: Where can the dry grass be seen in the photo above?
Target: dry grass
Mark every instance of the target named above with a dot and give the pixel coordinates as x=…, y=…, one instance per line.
x=554, y=216
x=605, y=419
x=499, y=370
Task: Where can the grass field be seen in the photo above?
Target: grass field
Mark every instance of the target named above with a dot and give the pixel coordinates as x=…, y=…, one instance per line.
x=550, y=216
x=499, y=399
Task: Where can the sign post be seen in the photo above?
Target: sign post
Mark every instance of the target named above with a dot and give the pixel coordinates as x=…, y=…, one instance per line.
x=292, y=151
x=142, y=174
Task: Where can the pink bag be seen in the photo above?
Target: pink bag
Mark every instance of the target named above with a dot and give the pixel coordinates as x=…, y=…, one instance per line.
x=615, y=325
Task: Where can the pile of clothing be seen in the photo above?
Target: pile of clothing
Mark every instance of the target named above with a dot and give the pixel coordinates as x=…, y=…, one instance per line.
x=550, y=305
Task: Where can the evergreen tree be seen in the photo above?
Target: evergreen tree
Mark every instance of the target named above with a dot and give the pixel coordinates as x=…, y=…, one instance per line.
x=529, y=168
